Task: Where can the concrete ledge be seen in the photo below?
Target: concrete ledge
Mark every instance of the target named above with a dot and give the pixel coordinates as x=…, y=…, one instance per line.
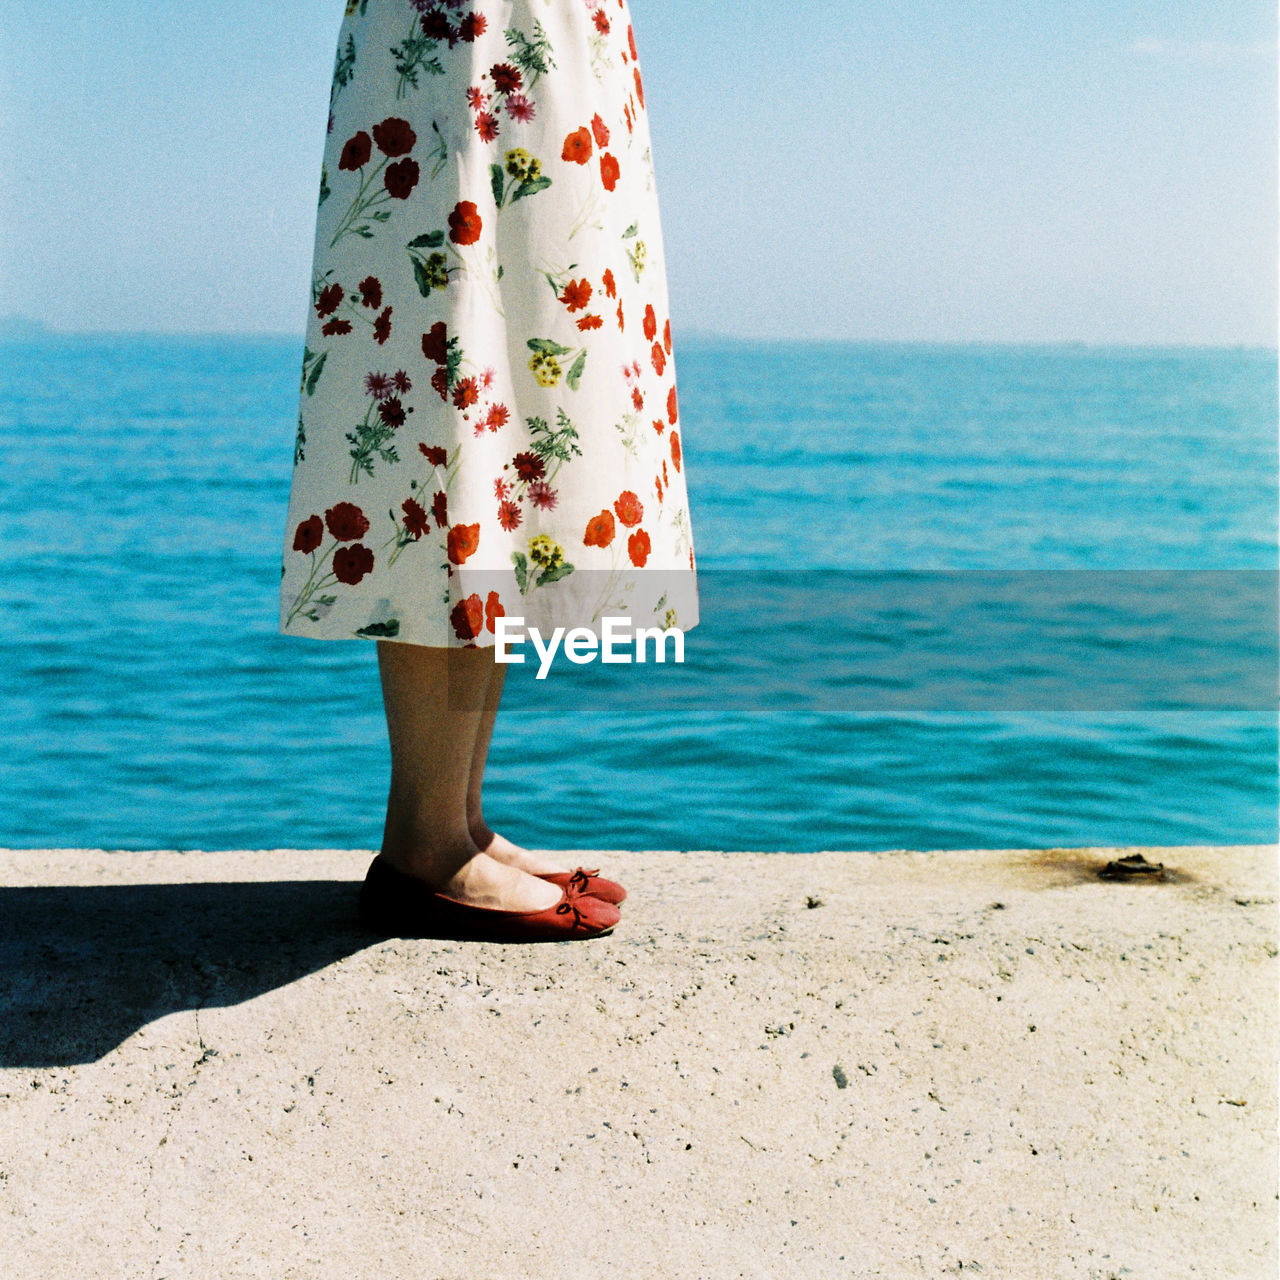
x=779, y=1065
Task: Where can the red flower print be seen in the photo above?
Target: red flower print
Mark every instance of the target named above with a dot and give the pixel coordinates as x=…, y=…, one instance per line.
x=659, y=426
x=629, y=508
x=463, y=541
x=392, y=412
x=434, y=454
x=529, y=466
x=435, y=343
x=473, y=25
x=487, y=126
x=600, y=130
x=576, y=295
x=435, y=25
x=401, y=381
x=330, y=299
x=309, y=535
x=590, y=322
x=671, y=406
x=501, y=487
x=665, y=479
x=493, y=610
x=465, y=393
x=336, y=326
x=639, y=86
x=370, y=292
x=415, y=519
x=610, y=284
x=497, y=416
x=505, y=77
x=382, y=327
x=509, y=515
x=637, y=398
x=395, y=137
x=440, y=382
x=541, y=494
x=621, y=322
x=675, y=449
x=350, y=564
x=468, y=617
x=465, y=223
x=519, y=107
x=657, y=484
x=610, y=171
x=577, y=146
x=477, y=98
x=666, y=337
x=631, y=40
x=346, y=521
x=440, y=509
x=650, y=322
x=638, y=547
x=357, y=152
x=602, y=22
x=600, y=530
x=659, y=358
x=401, y=178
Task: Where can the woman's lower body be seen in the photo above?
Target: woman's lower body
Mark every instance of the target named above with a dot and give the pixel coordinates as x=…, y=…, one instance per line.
x=488, y=420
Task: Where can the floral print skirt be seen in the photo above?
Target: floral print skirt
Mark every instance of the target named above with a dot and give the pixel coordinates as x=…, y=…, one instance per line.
x=488, y=420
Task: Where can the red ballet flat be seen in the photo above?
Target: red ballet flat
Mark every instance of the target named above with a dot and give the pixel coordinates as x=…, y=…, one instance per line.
x=588, y=882
x=395, y=904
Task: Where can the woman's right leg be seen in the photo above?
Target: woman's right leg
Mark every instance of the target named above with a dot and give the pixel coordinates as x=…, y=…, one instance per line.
x=434, y=700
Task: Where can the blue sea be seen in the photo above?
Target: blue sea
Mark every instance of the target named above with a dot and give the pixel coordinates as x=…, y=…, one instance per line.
x=952, y=597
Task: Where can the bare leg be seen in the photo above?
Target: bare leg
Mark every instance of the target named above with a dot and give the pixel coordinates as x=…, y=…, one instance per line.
x=434, y=700
x=485, y=838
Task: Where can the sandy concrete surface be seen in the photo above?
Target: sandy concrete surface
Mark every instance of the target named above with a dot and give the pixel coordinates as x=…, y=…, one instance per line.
x=779, y=1065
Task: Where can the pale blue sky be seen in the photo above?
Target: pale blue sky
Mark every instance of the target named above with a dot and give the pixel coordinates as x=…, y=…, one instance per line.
x=972, y=170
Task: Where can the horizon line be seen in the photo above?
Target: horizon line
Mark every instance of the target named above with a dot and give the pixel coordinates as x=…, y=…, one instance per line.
x=38, y=329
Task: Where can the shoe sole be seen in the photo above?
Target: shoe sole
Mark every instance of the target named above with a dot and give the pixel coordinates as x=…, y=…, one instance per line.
x=387, y=927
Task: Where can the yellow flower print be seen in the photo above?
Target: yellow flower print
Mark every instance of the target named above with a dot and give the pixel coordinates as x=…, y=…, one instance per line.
x=546, y=368
x=518, y=160
x=545, y=551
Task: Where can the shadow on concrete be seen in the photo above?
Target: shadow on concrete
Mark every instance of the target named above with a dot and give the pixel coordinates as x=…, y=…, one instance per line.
x=84, y=967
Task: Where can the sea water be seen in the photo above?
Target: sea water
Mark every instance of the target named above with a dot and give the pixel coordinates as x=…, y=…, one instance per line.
x=951, y=596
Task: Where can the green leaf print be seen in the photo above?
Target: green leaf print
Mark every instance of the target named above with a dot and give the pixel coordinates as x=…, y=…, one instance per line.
x=529, y=186
x=416, y=53
x=498, y=181
x=372, y=436
x=575, y=369
x=532, y=56
x=559, y=444
x=522, y=570
x=343, y=69
x=555, y=574
x=312, y=367
x=431, y=240
x=547, y=347
x=389, y=628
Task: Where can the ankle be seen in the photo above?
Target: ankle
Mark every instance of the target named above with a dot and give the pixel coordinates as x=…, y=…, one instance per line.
x=432, y=859
x=481, y=832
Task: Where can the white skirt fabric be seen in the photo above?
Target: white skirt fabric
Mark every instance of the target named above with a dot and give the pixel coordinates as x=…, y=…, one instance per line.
x=488, y=418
